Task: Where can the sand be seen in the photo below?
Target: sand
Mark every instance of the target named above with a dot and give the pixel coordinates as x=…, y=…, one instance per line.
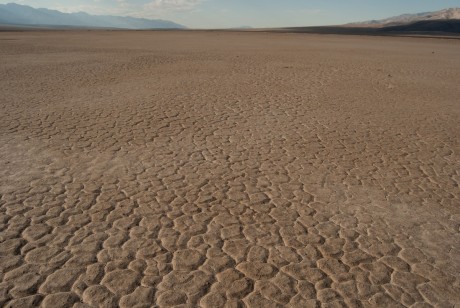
x=211, y=169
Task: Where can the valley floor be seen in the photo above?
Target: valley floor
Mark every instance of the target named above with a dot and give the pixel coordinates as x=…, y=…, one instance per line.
x=219, y=168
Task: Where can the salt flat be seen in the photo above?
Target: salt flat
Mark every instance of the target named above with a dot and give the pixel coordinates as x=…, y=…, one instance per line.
x=228, y=169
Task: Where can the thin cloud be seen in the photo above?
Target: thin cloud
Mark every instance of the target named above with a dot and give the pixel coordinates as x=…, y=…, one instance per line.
x=306, y=11
x=172, y=5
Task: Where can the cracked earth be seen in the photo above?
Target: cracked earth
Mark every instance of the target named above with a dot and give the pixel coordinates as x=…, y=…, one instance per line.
x=211, y=169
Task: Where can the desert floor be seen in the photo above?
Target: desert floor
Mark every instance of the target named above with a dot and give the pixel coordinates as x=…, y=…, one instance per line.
x=228, y=169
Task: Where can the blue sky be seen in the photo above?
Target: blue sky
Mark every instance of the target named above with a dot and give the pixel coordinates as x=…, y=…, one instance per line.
x=255, y=13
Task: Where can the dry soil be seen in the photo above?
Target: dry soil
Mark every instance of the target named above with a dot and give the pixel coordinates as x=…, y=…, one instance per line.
x=228, y=169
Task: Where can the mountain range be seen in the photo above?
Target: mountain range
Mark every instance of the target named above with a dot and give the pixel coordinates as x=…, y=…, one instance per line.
x=15, y=14
x=405, y=19
x=447, y=20
x=444, y=23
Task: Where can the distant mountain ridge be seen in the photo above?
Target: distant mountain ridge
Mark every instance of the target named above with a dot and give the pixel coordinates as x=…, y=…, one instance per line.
x=15, y=14
x=446, y=14
x=447, y=26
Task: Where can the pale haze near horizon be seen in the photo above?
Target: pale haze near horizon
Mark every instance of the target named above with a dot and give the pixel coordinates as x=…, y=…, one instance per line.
x=254, y=13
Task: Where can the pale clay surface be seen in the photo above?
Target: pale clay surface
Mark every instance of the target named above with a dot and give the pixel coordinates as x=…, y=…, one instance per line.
x=211, y=169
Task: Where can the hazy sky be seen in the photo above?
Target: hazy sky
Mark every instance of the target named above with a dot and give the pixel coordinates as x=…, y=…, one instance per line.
x=255, y=13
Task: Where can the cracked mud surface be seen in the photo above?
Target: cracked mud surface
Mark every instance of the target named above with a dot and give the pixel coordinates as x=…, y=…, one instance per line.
x=228, y=169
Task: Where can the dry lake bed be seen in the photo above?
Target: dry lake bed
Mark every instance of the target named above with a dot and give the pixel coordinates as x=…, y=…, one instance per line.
x=228, y=169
